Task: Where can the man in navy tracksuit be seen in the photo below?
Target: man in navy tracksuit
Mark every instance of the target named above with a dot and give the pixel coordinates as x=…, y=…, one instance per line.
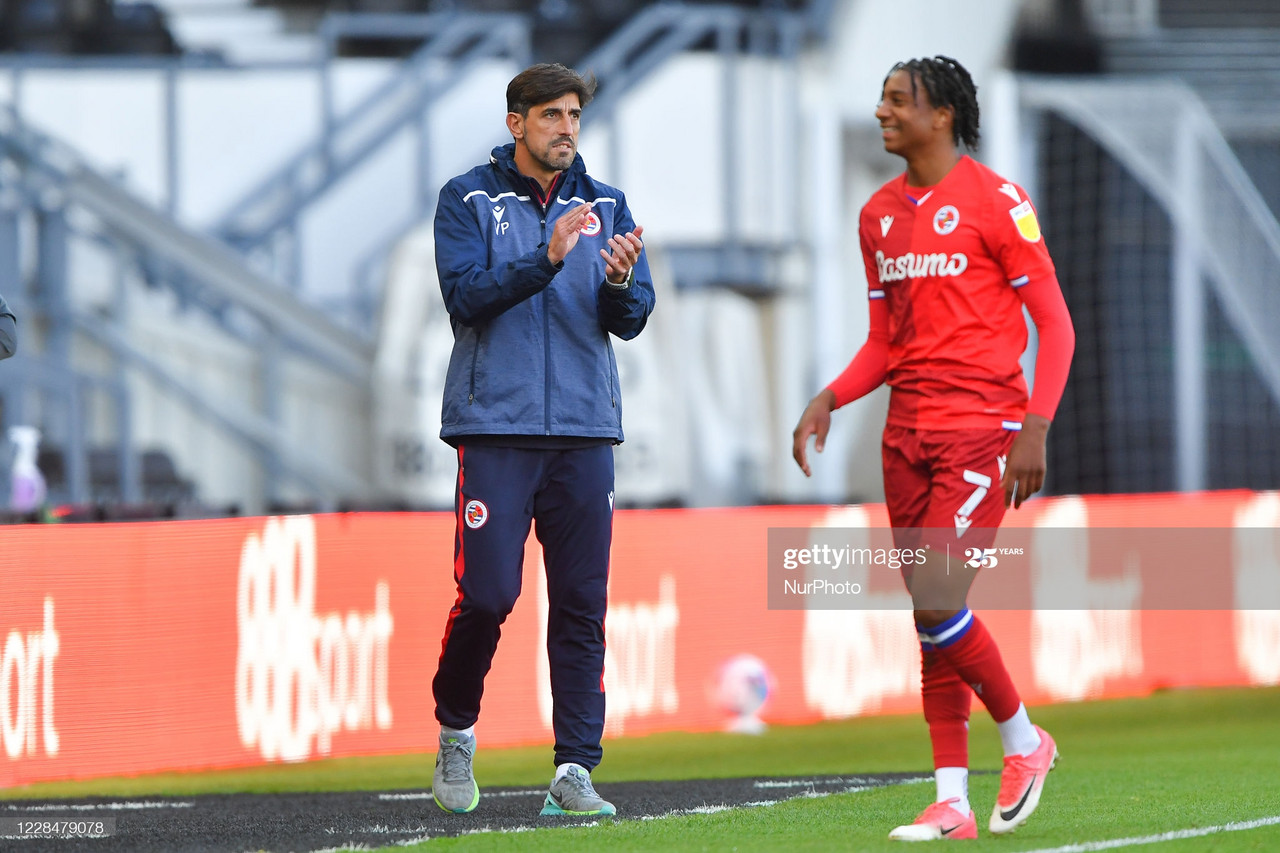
x=539, y=263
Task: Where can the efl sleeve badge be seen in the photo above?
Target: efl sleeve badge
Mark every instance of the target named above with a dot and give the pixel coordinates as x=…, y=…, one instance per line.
x=1024, y=216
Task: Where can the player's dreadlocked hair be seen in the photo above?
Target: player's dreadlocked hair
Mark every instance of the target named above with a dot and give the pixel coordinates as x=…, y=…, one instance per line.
x=947, y=84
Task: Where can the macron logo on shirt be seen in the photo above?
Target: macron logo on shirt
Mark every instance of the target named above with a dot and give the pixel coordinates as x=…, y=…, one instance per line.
x=499, y=227
x=886, y=222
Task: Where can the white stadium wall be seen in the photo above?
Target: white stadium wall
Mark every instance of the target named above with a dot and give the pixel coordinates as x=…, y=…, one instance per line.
x=722, y=376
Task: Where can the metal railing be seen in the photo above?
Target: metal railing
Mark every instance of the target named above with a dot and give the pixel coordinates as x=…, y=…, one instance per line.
x=653, y=36
x=1161, y=132
x=48, y=180
x=51, y=181
x=452, y=45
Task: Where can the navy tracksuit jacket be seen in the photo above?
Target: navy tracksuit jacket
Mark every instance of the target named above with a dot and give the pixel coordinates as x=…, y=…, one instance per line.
x=532, y=403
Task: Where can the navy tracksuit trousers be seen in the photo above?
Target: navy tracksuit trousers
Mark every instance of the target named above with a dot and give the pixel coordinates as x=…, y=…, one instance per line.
x=568, y=496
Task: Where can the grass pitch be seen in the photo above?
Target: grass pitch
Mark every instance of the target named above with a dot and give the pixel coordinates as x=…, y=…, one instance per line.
x=1130, y=769
x=1131, y=772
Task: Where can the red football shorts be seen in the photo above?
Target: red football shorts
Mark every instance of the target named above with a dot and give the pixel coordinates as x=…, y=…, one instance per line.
x=942, y=487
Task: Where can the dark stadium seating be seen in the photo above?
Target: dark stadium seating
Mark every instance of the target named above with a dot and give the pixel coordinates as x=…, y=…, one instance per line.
x=159, y=480
x=84, y=27
x=562, y=30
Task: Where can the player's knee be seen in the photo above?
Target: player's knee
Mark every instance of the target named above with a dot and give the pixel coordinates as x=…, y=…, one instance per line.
x=492, y=604
x=932, y=617
x=581, y=605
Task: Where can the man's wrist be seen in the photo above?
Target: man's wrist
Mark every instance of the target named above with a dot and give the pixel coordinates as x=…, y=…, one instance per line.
x=625, y=283
x=554, y=266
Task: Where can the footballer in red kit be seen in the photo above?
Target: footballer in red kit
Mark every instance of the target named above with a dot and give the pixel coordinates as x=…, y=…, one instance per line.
x=953, y=253
x=948, y=261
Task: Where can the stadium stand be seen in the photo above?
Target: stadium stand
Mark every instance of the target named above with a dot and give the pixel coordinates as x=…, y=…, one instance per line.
x=238, y=284
x=560, y=30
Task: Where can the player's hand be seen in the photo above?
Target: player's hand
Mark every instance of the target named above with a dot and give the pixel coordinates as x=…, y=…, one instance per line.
x=565, y=235
x=1024, y=470
x=624, y=255
x=815, y=421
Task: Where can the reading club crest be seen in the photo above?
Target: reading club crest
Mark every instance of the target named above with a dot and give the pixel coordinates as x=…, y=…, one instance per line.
x=476, y=514
x=590, y=224
x=946, y=219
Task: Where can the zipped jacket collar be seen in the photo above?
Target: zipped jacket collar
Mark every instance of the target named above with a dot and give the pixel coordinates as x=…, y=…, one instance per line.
x=503, y=157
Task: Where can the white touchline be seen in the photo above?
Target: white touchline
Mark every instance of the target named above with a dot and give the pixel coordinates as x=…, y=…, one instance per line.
x=91, y=807
x=845, y=782
x=426, y=795
x=1173, y=835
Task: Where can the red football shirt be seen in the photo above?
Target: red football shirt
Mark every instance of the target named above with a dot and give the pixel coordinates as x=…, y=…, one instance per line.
x=947, y=261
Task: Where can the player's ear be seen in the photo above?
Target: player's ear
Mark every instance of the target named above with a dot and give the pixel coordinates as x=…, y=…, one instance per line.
x=944, y=117
x=515, y=124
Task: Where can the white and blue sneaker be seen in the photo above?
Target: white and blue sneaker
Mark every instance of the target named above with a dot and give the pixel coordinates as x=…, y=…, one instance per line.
x=572, y=794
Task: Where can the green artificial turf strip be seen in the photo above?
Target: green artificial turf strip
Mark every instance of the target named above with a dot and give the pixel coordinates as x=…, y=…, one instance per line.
x=1132, y=768
x=1135, y=767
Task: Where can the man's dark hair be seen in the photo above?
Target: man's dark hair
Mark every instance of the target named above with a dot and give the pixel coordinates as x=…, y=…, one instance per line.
x=947, y=84
x=547, y=81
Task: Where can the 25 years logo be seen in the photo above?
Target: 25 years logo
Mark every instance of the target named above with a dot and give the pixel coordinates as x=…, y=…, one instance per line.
x=985, y=558
x=981, y=558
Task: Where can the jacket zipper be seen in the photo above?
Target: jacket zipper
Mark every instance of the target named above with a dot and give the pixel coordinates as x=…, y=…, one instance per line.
x=475, y=359
x=546, y=340
x=613, y=362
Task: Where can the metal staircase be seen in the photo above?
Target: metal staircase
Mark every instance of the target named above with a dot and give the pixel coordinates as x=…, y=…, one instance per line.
x=242, y=277
x=264, y=221
x=46, y=183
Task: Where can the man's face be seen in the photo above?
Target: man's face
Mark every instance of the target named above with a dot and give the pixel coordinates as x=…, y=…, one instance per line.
x=907, y=119
x=550, y=132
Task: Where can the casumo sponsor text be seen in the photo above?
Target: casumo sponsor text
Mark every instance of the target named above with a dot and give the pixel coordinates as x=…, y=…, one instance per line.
x=912, y=265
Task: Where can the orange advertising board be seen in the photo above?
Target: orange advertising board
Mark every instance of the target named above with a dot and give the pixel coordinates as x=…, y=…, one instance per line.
x=136, y=648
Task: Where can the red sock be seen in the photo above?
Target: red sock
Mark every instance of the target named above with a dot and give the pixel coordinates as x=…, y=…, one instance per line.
x=946, y=710
x=976, y=658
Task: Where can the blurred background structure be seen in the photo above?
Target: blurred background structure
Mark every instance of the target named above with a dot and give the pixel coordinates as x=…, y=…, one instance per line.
x=215, y=230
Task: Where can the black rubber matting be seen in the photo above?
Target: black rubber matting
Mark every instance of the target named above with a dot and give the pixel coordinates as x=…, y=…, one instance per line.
x=303, y=823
